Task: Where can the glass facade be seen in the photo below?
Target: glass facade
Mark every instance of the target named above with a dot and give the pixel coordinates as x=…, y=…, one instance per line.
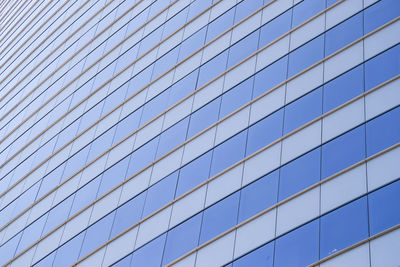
x=200, y=133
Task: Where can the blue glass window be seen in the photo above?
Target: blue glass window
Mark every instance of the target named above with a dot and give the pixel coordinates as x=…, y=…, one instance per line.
x=127, y=125
x=113, y=176
x=194, y=173
x=380, y=13
x=31, y=234
x=142, y=157
x=125, y=262
x=306, y=9
x=383, y=131
x=344, y=33
x=172, y=137
x=192, y=43
x=258, y=196
x=75, y=162
x=97, y=234
x=344, y=227
x=270, y=76
x=236, y=97
x=69, y=252
x=228, y=153
x=384, y=208
x=264, y=132
x=99, y=145
x=165, y=62
x=150, y=255
x=245, y=8
x=219, y=217
x=154, y=107
x=303, y=110
x=375, y=74
x=58, y=214
x=243, y=48
x=128, y=214
x=306, y=55
x=182, y=88
x=85, y=195
x=299, y=247
x=220, y=24
x=182, y=239
x=160, y=194
x=300, y=174
x=275, y=28
x=9, y=248
x=212, y=68
x=343, y=88
x=261, y=257
x=343, y=151
x=204, y=117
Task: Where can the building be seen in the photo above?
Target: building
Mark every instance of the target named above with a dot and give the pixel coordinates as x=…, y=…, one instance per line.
x=200, y=133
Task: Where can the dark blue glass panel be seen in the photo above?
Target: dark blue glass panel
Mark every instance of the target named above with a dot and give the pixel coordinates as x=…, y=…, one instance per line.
x=306, y=9
x=258, y=196
x=182, y=239
x=344, y=33
x=204, y=117
x=228, y=153
x=128, y=214
x=303, y=110
x=380, y=13
x=343, y=88
x=344, y=227
x=375, y=74
x=154, y=107
x=69, y=252
x=194, y=173
x=384, y=208
x=383, y=131
x=219, y=217
x=182, y=88
x=97, y=234
x=192, y=43
x=236, y=97
x=220, y=24
x=275, y=28
x=298, y=248
x=306, y=55
x=85, y=195
x=300, y=174
x=343, y=151
x=127, y=125
x=270, y=76
x=212, y=68
x=245, y=8
x=125, y=262
x=172, y=137
x=142, y=157
x=149, y=255
x=261, y=257
x=113, y=176
x=58, y=214
x=264, y=132
x=160, y=194
x=243, y=48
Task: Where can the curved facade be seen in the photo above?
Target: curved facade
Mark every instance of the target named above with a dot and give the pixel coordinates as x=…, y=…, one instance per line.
x=200, y=133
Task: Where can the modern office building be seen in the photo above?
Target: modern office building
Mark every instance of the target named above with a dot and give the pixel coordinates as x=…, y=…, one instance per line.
x=200, y=133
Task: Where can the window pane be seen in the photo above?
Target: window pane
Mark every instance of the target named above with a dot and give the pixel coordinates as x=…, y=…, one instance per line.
x=306, y=9
x=219, y=218
x=383, y=131
x=343, y=88
x=243, y=48
x=344, y=33
x=194, y=173
x=149, y=255
x=384, y=208
x=258, y=196
x=344, y=227
x=375, y=74
x=212, y=68
x=228, y=153
x=236, y=97
x=204, y=117
x=68, y=253
x=343, y=151
x=271, y=76
x=300, y=174
x=182, y=239
x=172, y=137
x=298, y=248
x=306, y=55
x=220, y=24
x=303, y=110
x=380, y=13
x=264, y=132
x=262, y=257
x=275, y=28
